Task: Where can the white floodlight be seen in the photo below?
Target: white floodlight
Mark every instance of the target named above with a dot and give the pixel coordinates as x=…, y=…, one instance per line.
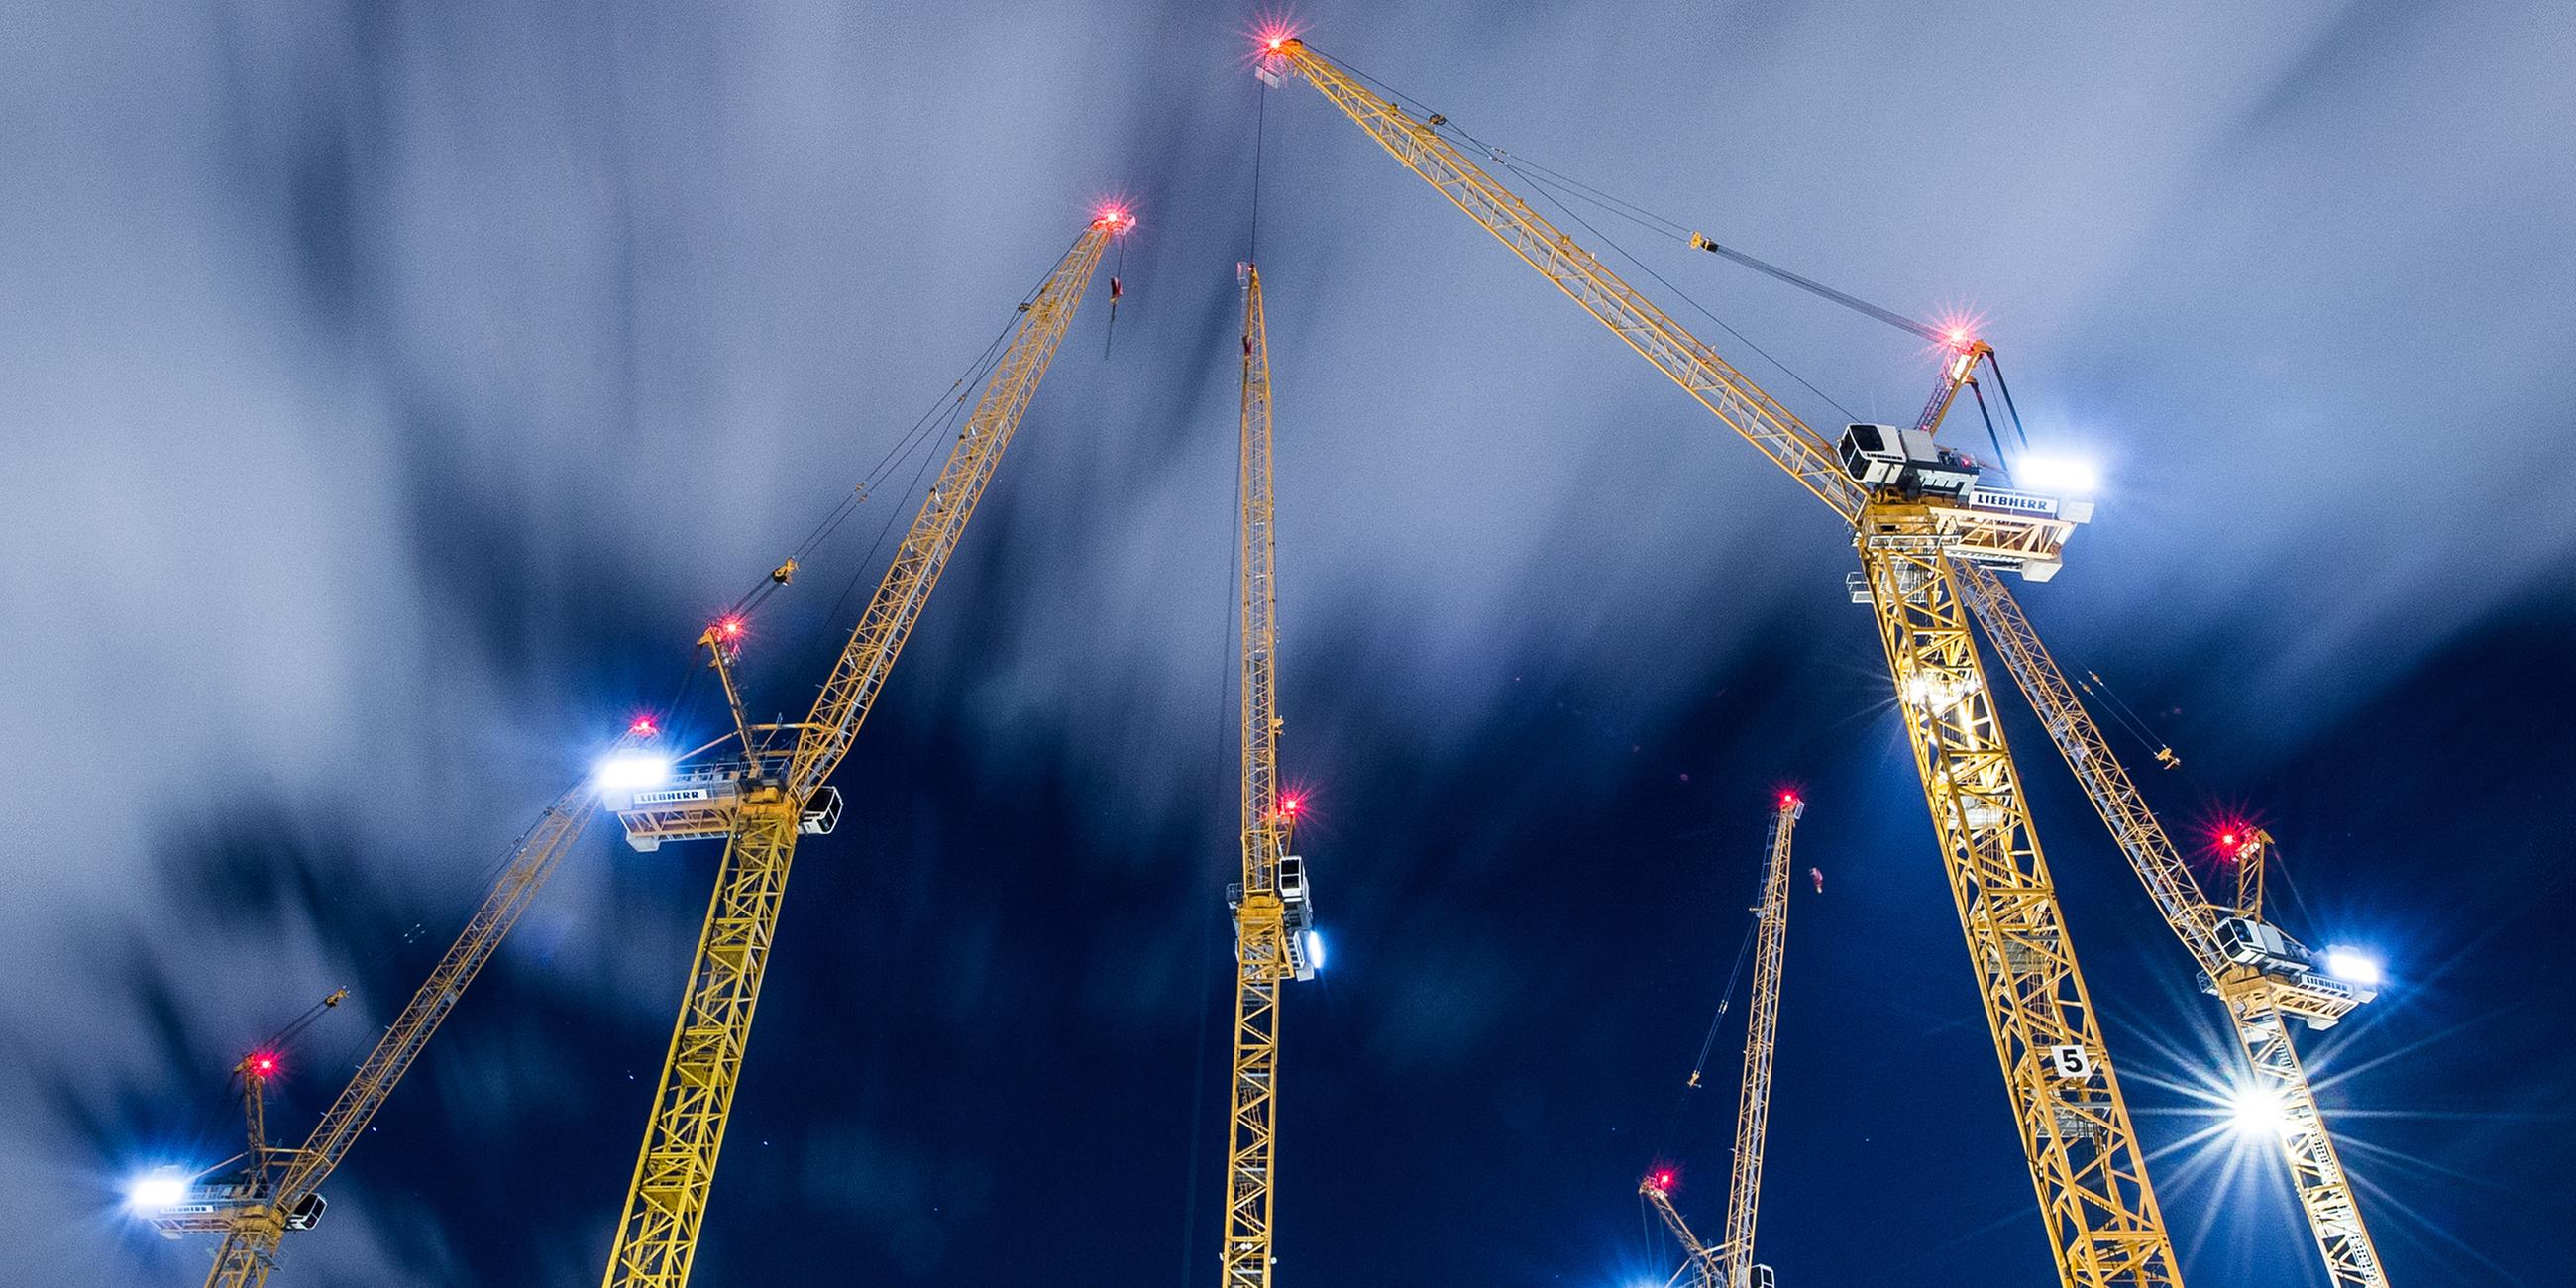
x=2258, y=1112
x=2353, y=966
x=157, y=1190
x=2057, y=475
x=1315, y=948
x=633, y=769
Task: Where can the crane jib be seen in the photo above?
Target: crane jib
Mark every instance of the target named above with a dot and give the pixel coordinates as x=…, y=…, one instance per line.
x=666, y=1199
x=861, y=671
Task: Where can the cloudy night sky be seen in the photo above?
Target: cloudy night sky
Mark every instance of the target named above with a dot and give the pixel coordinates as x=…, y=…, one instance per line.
x=393, y=391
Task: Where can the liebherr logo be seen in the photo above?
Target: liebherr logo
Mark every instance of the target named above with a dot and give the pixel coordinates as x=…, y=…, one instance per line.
x=672, y=796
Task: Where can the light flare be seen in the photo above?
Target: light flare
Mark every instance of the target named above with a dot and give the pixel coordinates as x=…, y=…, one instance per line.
x=2353, y=966
x=633, y=770
x=157, y=1190
x=2257, y=1111
x=2058, y=475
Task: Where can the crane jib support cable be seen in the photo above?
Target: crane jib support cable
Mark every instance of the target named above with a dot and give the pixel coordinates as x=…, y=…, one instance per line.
x=2088, y=1169
x=656, y=1241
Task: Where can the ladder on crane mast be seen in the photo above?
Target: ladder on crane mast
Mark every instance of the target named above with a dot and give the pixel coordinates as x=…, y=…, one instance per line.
x=1275, y=940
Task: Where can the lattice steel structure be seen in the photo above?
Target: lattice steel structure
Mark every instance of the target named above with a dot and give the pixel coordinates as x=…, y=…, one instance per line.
x=2086, y=1165
x=1272, y=915
x=770, y=797
x=1761, y=1032
x=2261, y=984
x=277, y=1190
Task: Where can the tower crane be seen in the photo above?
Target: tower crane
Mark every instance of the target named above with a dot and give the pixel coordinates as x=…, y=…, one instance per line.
x=2262, y=976
x=2260, y=973
x=1918, y=512
x=1761, y=1026
x=1274, y=936
x=278, y=1188
x=1730, y=1263
x=777, y=789
x=1704, y=1264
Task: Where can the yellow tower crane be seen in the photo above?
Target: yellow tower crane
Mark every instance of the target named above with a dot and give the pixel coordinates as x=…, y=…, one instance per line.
x=1917, y=513
x=1275, y=940
x=278, y=1188
x=1730, y=1263
x=2262, y=976
x=777, y=788
x=1761, y=1027
x=1701, y=1262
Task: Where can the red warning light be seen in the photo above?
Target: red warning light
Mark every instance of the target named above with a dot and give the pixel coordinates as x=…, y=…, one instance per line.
x=1957, y=331
x=262, y=1063
x=730, y=627
x=643, y=727
x=1115, y=218
x=2227, y=839
x=1291, y=804
x=1788, y=799
x=1662, y=1181
x=1274, y=36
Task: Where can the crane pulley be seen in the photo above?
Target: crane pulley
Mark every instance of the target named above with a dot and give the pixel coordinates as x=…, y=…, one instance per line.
x=775, y=790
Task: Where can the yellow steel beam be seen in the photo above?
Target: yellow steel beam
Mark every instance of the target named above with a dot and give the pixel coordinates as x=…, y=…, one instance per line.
x=1761, y=1030
x=252, y=1233
x=675, y=1167
x=2256, y=1002
x=1261, y=929
x=2085, y=1163
x=1704, y=1262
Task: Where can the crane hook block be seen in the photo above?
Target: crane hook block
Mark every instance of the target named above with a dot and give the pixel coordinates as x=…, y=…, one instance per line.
x=783, y=573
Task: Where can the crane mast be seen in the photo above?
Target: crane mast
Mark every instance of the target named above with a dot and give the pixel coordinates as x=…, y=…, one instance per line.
x=1761, y=1027
x=2260, y=975
x=2087, y=1167
x=778, y=790
x=278, y=1192
x=1273, y=918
